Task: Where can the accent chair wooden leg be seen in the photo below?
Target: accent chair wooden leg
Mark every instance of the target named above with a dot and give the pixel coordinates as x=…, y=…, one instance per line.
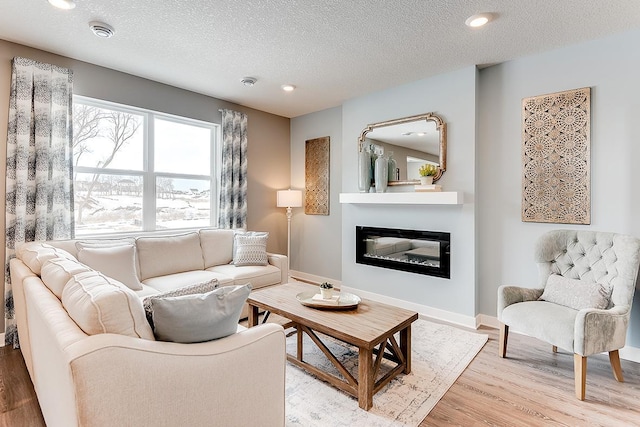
x=502, y=342
x=580, y=372
x=614, y=358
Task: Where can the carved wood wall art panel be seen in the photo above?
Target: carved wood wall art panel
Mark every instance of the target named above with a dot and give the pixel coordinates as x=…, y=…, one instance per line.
x=556, y=152
x=316, y=176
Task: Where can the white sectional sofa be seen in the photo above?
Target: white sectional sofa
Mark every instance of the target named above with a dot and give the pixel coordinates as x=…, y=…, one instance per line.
x=91, y=353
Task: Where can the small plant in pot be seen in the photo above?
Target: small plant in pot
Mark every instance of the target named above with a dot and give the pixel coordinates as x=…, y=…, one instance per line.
x=427, y=172
x=326, y=290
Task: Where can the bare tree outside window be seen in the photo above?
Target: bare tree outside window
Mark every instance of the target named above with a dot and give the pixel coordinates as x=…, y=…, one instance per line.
x=86, y=126
x=116, y=127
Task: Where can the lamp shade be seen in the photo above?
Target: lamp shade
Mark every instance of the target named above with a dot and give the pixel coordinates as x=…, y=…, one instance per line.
x=289, y=198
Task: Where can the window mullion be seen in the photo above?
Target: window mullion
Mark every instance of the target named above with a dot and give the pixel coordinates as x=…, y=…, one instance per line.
x=149, y=197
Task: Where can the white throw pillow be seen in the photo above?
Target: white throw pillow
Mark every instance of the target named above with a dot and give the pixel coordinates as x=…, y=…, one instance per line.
x=576, y=294
x=251, y=249
x=57, y=272
x=199, y=317
x=101, y=305
x=118, y=262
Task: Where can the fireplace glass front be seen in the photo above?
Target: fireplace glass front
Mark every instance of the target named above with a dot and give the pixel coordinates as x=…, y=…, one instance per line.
x=416, y=251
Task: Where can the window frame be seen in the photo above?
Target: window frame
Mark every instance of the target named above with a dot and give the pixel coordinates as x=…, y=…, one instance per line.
x=148, y=174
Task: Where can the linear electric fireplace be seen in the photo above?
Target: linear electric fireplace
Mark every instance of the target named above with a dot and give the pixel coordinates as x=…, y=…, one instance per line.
x=416, y=251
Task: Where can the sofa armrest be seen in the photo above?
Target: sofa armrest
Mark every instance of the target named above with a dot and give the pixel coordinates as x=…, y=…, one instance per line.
x=508, y=295
x=282, y=263
x=234, y=381
x=597, y=331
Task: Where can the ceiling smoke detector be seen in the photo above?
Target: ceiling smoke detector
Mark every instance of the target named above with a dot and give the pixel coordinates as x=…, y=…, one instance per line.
x=248, y=81
x=101, y=29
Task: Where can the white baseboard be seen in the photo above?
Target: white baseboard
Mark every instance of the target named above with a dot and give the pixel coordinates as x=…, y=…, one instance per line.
x=423, y=310
x=311, y=278
x=627, y=352
x=630, y=353
x=488, y=321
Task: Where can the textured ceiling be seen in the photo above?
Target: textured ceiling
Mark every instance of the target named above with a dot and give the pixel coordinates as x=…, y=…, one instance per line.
x=332, y=50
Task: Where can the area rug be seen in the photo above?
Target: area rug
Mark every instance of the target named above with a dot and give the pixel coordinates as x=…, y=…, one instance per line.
x=440, y=353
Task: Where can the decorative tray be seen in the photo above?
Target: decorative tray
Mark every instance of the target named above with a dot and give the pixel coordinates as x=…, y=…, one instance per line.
x=345, y=301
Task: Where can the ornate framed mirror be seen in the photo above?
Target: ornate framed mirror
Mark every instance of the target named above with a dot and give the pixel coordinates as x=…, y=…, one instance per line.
x=414, y=141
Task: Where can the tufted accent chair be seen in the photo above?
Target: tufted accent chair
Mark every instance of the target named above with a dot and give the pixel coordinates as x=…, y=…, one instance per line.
x=594, y=257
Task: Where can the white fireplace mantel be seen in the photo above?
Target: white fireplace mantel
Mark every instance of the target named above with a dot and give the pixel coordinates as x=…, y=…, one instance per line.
x=407, y=198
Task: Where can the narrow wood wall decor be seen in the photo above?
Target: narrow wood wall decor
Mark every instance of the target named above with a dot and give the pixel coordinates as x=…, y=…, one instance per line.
x=316, y=176
x=556, y=157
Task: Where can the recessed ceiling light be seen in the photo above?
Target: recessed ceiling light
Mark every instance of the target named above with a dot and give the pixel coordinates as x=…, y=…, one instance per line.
x=478, y=20
x=248, y=81
x=63, y=4
x=101, y=29
x=288, y=88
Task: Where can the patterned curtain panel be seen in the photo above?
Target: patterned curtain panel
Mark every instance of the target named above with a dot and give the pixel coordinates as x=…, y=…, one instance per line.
x=39, y=190
x=233, y=184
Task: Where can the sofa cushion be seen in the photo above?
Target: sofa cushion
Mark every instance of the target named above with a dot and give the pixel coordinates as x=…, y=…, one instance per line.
x=251, y=249
x=162, y=255
x=104, y=243
x=179, y=280
x=146, y=291
x=198, y=288
x=576, y=294
x=57, y=272
x=558, y=329
x=217, y=247
x=200, y=317
x=258, y=276
x=118, y=262
x=100, y=305
x=35, y=254
x=108, y=243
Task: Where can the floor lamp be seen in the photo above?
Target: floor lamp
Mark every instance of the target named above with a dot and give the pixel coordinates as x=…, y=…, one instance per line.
x=289, y=199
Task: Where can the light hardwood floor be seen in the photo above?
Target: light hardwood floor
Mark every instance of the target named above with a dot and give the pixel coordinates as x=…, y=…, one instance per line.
x=531, y=387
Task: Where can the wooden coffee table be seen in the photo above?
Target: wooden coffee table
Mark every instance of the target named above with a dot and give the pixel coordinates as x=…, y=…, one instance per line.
x=370, y=327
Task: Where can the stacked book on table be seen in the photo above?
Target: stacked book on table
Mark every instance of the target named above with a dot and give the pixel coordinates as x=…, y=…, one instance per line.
x=427, y=188
x=335, y=299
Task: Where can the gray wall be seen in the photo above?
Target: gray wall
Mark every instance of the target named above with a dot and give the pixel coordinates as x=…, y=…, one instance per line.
x=453, y=97
x=610, y=67
x=316, y=239
x=486, y=165
x=269, y=135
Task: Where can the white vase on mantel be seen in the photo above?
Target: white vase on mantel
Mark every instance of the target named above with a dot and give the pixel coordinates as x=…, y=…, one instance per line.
x=426, y=180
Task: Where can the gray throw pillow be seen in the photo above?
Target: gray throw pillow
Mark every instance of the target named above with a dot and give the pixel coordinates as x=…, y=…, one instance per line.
x=251, y=249
x=576, y=294
x=198, y=288
x=199, y=317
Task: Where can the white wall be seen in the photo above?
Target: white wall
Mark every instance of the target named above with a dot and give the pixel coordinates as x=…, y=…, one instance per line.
x=610, y=67
x=453, y=97
x=316, y=239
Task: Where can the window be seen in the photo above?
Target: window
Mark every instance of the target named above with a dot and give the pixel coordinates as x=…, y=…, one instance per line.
x=139, y=170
